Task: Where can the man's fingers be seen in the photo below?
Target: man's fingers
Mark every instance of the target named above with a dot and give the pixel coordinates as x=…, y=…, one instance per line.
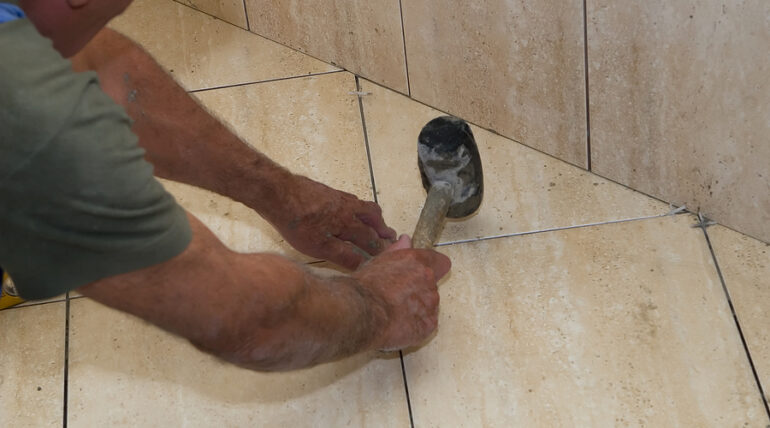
x=345, y=254
x=437, y=262
x=373, y=217
x=364, y=237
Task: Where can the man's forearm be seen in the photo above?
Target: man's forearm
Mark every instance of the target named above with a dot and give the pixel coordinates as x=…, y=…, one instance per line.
x=259, y=311
x=183, y=141
x=187, y=144
x=318, y=320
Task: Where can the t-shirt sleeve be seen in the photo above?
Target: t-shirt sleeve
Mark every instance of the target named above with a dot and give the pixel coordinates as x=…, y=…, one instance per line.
x=78, y=201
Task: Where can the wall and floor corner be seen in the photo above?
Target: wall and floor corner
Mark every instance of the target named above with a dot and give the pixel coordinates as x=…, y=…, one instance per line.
x=672, y=100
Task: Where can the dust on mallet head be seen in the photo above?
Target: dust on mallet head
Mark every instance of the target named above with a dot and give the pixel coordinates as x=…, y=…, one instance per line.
x=447, y=153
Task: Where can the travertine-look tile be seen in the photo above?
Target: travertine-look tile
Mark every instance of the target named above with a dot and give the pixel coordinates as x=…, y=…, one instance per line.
x=310, y=125
x=524, y=191
x=514, y=66
x=679, y=104
x=231, y=11
x=615, y=325
x=745, y=264
x=362, y=36
x=126, y=373
x=204, y=52
x=32, y=366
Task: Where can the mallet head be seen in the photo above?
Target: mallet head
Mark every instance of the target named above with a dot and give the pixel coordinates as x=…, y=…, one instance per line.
x=447, y=152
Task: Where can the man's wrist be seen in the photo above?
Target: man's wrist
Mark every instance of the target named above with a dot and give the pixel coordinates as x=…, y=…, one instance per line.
x=369, y=316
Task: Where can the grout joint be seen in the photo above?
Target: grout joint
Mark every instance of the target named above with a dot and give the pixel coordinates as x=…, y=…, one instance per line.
x=703, y=222
x=675, y=210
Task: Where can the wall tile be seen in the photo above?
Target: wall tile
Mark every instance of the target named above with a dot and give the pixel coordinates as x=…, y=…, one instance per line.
x=362, y=36
x=203, y=52
x=616, y=325
x=513, y=66
x=680, y=100
x=124, y=372
x=524, y=190
x=231, y=11
x=745, y=264
x=32, y=366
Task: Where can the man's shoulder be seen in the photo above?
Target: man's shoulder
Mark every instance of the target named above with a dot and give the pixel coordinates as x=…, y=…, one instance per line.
x=38, y=90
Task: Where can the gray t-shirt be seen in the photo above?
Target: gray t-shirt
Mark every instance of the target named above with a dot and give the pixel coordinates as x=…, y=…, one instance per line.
x=78, y=201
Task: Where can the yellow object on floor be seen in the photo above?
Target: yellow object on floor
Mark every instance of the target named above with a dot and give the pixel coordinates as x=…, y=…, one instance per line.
x=8, y=296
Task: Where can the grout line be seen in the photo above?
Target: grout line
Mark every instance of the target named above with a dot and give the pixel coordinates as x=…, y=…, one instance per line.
x=366, y=141
x=246, y=13
x=66, y=358
x=406, y=58
x=764, y=397
x=556, y=229
x=406, y=389
x=374, y=194
x=588, y=104
x=212, y=15
x=277, y=79
x=31, y=304
x=264, y=37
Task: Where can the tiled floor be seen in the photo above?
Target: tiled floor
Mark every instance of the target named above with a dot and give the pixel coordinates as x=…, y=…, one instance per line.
x=596, y=307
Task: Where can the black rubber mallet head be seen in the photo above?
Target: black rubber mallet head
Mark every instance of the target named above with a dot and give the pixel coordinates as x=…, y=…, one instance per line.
x=450, y=167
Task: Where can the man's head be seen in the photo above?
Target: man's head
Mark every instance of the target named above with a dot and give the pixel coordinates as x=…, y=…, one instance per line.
x=71, y=23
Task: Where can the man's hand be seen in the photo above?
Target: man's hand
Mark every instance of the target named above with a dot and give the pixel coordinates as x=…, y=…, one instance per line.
x=329, y=224
x=264, y=312
x=404, y=279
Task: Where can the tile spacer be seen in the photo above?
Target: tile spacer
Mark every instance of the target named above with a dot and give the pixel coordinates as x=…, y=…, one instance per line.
x=703, y=222
x=675, y=210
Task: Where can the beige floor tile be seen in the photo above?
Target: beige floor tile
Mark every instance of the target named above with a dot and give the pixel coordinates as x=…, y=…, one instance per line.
x=32, y=366
x=231, y=11
x=525, y=190
x=126, y=373
x=310, y=125
x=745, y=264
x=514, y=66
x=615, y=325
x=680, y=106
x=204, y=52
x=362, y=36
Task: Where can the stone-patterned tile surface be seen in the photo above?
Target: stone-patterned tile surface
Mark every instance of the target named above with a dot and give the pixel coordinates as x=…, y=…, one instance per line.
x=362, y=36
x=124, y=372
x=525, y=190
x=679, y=104
x=204, y=52
x=745, y=264
x=514, y=66
x=32, y=366
x=310, y=125
x=231, y=11
x=615, y=325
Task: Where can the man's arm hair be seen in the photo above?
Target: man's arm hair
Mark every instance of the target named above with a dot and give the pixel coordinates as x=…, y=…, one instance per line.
x=259, y=311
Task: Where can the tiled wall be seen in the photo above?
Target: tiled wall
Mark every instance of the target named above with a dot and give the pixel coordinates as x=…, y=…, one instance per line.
x=678, y=92
x=680, y=103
